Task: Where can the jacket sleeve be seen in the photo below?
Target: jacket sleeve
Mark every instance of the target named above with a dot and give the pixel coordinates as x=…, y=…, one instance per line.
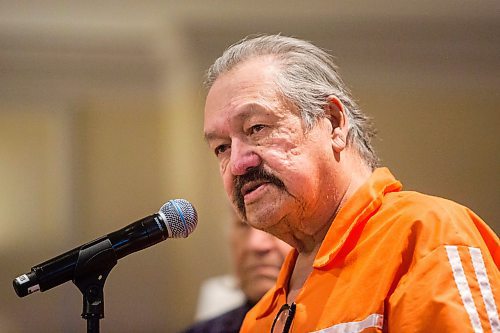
x=454, y=288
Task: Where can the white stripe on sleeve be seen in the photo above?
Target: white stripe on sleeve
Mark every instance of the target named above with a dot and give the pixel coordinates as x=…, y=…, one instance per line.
x=485, y=287
x=463, y=287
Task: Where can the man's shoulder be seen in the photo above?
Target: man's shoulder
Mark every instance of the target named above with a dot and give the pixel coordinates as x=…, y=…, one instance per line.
x=419, y=206
x=431, y=217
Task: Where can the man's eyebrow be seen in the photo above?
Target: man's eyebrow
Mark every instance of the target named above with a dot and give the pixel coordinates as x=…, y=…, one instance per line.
x=210, y=136
x=245, y=112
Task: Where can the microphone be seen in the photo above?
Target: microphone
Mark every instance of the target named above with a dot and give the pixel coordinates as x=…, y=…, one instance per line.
x=177, y=218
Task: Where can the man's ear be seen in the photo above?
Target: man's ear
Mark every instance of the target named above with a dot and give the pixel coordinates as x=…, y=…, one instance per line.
x=335, y=112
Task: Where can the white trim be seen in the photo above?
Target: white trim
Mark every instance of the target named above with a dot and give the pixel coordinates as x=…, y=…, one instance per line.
x=374, y=320
x=463, y=287
x=485, y=287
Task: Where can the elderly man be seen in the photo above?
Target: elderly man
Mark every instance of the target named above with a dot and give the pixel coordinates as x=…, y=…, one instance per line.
x=296, y=161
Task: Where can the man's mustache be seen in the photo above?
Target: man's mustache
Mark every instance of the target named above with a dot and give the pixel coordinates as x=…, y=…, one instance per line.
x=254, y=174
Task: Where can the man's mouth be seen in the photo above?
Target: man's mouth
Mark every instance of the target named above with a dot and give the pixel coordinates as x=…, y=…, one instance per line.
x=251, y=182
x=252, y=186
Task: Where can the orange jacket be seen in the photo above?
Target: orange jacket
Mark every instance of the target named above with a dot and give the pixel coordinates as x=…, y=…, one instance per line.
x=394, y=261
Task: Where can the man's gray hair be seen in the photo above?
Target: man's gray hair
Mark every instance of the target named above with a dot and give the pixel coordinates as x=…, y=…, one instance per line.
x=307, y=77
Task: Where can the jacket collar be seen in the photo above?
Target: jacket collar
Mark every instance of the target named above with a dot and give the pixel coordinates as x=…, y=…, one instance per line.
x=366, y=200
x=357, y=209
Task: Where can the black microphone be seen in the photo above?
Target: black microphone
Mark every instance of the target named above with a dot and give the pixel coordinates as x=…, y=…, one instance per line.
x=176, y=218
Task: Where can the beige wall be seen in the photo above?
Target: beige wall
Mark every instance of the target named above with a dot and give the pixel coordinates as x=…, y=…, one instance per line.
x=101, y=123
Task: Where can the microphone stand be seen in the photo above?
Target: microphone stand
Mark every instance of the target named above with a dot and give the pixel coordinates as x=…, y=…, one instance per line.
x=95, y=261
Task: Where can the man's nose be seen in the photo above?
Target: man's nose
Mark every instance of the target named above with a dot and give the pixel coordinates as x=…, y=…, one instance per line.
x=243, y=158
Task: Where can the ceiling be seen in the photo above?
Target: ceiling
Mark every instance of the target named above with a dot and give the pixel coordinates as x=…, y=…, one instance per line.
x=68, y=46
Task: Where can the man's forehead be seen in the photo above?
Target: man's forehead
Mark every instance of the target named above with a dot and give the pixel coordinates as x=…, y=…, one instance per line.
x=239, y=94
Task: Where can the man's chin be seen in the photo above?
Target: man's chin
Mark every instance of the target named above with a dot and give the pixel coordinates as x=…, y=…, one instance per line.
x=259, y=215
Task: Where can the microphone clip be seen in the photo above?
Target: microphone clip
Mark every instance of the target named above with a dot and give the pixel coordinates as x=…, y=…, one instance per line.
x=95, y=261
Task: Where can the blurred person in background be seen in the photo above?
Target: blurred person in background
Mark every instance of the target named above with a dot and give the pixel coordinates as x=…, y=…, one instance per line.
x=296, y=160
x=256, y=259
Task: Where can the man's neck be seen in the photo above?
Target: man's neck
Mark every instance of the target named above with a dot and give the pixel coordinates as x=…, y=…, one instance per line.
x=306, y=256
x=301, y=271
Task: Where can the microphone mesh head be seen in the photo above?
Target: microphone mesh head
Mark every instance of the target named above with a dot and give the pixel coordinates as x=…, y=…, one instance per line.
x=180, y=218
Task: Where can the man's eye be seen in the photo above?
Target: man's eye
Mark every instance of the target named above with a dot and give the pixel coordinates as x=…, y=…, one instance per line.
x=221, y=149
x=256, y=128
